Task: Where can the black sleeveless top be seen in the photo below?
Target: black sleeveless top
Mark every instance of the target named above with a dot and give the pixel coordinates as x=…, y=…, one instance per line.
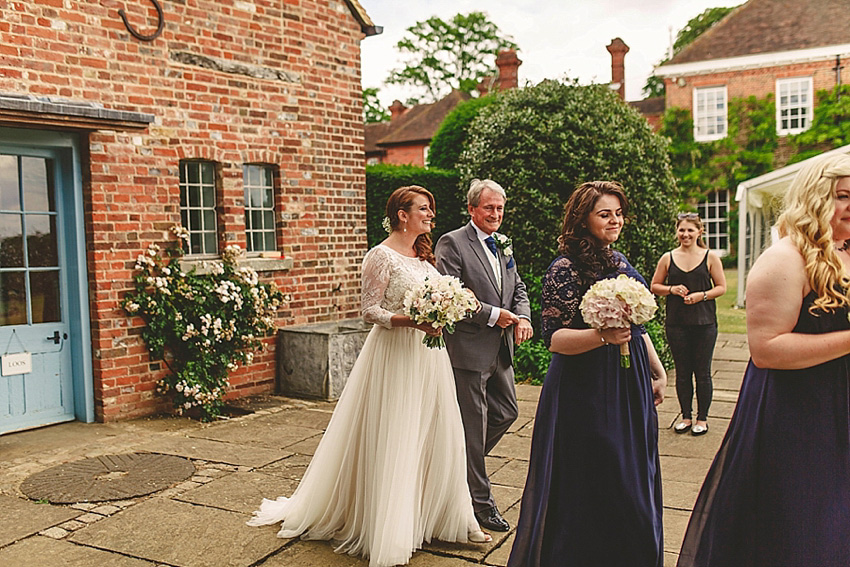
x=698, y=279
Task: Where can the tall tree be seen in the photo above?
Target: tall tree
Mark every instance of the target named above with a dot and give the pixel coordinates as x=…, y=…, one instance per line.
x=444, y=55
x=373, y=110
x=693, y=29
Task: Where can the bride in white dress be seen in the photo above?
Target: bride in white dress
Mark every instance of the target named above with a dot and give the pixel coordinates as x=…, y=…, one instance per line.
x=390, y=471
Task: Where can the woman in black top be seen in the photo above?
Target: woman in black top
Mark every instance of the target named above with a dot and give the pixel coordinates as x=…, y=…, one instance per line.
x=692, y=276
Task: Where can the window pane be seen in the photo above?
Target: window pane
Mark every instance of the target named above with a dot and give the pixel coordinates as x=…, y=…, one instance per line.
x=194, y=196
x=192, y=173
x=10, y=198
x=41, y=241
x=269, y=241
x=44, y=287
x=209, y=219
x=38, y=184
x=209, y=196
x=13, y=299
x=209, y=243
x=207, y=173
x=11, y=241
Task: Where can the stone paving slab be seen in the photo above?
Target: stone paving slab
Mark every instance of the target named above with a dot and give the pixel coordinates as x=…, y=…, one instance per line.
x=675, y=523
x=512, y=446
x=240, y=491
x=21, y=518
x=679, y=495
x=311, y=418
x=306, y=447
x=215, y=451
x=46, y=552
x=292, y=467
x=182, y=534
x=257, y=433
x=513, y=473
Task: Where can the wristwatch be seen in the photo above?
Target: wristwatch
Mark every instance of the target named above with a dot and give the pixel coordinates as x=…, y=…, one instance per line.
x=704, y=296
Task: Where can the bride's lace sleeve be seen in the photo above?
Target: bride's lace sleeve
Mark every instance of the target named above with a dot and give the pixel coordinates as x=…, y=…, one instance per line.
x=376, y=278
x=561, y=297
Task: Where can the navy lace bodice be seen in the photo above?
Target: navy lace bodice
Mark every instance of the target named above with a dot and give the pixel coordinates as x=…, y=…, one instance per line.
x=562, y=293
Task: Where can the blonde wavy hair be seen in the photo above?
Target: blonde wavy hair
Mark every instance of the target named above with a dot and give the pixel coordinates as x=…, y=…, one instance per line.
x=808, y=209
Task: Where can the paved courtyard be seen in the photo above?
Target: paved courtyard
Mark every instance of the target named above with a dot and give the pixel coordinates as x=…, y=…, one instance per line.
x=199, y=520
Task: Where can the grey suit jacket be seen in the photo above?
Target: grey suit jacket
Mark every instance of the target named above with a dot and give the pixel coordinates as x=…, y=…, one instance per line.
x=475, y=346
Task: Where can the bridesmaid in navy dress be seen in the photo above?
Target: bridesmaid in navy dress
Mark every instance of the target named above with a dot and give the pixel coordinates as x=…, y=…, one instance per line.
x=593, y=493
x=778, y=492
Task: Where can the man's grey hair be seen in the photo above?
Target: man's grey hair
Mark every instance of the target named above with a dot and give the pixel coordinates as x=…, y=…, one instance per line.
x=476, y=186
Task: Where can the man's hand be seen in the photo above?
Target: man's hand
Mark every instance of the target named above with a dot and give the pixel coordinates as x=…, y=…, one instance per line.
x=506, y=319
x=523, y=331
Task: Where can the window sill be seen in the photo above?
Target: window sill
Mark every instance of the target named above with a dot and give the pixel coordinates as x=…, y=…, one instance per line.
x=201, y=265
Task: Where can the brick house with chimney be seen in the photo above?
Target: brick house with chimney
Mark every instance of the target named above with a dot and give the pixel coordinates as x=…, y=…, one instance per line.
x=114, y=124
x=405, y=139
x=788, y=49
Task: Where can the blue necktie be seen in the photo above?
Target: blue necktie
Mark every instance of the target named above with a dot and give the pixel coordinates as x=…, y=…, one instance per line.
x=491, y=244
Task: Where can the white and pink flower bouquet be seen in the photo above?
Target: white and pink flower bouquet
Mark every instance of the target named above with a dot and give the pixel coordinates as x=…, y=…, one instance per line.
x=618, y=303
x=441, y=302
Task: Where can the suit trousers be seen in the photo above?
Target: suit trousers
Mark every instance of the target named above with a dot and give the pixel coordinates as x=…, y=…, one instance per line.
x=488, y=407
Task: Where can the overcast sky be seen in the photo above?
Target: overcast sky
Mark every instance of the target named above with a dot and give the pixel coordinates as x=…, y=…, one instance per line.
x=557, y=38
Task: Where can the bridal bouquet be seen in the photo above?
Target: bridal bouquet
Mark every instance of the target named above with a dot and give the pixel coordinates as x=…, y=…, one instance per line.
x=441, y=302
x=617, y=303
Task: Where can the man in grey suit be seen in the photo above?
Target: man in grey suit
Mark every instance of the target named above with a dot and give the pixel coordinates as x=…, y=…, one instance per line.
x=482, y=347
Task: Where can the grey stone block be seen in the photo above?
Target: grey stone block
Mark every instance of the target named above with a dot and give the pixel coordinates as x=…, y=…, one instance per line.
x=314, y=360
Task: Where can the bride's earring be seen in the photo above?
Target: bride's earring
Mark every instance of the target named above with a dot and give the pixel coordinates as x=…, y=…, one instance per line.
x=405, y=226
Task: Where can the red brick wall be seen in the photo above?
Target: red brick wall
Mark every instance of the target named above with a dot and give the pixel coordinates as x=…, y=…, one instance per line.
x=410, y=154
x=758, y=82
x=309, y=125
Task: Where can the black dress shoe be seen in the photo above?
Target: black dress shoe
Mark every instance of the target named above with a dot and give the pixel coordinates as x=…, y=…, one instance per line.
x=490, y=519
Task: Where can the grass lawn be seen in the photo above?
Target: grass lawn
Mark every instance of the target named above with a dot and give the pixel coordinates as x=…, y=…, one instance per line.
x=730, y=319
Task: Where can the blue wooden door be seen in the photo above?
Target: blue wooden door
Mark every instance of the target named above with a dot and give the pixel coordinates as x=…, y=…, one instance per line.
x=34, y=315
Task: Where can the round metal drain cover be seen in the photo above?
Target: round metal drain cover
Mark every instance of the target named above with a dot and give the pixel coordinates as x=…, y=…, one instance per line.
x=110, y=477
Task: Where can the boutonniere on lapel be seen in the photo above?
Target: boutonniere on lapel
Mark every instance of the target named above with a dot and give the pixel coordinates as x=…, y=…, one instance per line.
x=505, y=244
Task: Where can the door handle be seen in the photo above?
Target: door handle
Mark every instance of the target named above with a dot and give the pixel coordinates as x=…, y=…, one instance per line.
x=56, y=338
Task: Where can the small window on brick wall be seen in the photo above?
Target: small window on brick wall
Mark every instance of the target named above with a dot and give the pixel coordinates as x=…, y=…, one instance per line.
x=709, y=113
x=259, y=207
x=793, y=105
x=197, y=206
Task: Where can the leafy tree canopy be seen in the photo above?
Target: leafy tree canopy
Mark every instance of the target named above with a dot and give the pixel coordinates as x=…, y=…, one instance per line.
x=373, y=110
x=444, y=55
x=541, y=142
x=693, y=29
x=448, y=142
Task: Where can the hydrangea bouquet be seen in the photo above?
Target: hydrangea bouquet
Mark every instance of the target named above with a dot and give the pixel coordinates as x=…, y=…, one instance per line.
x=441, y=302
x=617, y=303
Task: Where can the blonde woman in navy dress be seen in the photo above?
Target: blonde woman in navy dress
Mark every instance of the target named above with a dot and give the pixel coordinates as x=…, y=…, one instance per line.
x=778, y=492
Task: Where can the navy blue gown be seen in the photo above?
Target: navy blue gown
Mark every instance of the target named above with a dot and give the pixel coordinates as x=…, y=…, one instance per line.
x=778, y=492
x=593, y=493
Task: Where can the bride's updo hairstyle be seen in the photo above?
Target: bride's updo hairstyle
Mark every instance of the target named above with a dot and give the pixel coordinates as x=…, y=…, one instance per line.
x=402, y=200
x=590, y=259
x=807, y=212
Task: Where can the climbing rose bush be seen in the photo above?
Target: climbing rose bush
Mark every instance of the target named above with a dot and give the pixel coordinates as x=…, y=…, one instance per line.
x=203, y=326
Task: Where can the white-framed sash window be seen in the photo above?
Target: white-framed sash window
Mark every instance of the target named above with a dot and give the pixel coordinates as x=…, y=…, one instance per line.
x=794, y=105
x=710, y=110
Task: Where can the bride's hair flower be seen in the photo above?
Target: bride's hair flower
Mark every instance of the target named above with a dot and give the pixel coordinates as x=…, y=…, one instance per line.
x=386, y=224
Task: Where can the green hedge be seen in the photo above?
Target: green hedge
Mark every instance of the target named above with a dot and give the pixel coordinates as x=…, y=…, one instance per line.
x=383, y=179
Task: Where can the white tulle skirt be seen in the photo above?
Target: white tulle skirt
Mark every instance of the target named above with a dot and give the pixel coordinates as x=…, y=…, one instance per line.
x=390, y=471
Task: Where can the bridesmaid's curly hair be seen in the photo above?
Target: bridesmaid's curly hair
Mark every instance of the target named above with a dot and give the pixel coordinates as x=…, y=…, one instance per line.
x=591, y=260
x=402, y=200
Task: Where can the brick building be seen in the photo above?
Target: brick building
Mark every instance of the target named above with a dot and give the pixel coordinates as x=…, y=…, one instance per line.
x=789, y=49
x=119, y=118
x=405, y=139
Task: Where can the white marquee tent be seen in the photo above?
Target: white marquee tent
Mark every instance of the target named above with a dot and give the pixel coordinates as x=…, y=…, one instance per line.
x=760, y=201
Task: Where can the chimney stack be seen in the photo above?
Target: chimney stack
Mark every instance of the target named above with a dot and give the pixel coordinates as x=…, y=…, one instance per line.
x=508, y=64
x=618, y=50
x=396, y=110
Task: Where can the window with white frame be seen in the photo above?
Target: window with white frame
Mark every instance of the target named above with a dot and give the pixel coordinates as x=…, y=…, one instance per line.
x=197, y=206
x=714, y=215
x=259, y=207
x=710, y=105
x=793, y=105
